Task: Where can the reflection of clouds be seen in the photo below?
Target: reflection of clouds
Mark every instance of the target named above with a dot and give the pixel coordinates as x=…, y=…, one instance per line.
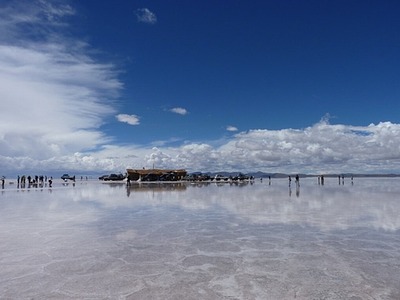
x=326, y=207
x=369, y=203
x=163, y=240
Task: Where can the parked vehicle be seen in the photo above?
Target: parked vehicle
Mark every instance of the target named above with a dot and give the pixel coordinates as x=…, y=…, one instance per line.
x=151, y=177
x=114, y=177
x=168, y=177
x=240, y=177
x=219, y=177
x=66, y=177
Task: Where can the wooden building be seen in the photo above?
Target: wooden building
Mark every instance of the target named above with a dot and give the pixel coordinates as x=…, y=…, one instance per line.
x=155, y=174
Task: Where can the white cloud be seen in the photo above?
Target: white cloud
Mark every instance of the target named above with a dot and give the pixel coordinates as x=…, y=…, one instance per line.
x=130, y=119
x=144, y=15
x=231, y=128
x=179, y=111
x=54, y=96
x=321, y=148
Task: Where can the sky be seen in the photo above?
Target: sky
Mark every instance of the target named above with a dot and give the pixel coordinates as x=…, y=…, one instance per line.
x=96, y=86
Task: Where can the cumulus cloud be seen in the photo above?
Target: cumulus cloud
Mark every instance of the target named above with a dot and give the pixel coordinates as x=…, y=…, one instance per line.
x=321, y=148
x=144, y=15
x=130, y=119
x=179, y=111
x=231, y=128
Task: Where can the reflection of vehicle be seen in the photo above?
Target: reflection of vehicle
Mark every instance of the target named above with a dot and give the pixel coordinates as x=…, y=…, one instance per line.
x=102, y=177
x=66, y=176
x=114, y=177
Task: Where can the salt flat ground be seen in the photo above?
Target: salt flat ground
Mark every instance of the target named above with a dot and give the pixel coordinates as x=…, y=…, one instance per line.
x=94, y=240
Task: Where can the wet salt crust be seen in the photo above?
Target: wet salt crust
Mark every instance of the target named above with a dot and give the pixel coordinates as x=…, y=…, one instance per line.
x=189, y=241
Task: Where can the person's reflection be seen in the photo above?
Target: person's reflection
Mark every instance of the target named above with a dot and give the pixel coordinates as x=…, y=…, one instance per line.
x=290, y=191
x=298, y=191
x=128, y=190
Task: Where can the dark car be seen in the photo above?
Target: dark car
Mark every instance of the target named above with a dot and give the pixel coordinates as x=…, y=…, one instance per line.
x=168, y=177
x=66, y=177
x=241, y=177
x=103, y=177
x=114, y=177
x=151, y=177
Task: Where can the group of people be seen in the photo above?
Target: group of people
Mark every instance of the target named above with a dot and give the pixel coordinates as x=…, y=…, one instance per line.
x=33, y=181
x=321, y=180
x=297, y=180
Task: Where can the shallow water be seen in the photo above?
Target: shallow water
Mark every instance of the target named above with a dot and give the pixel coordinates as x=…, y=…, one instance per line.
x=186, y=241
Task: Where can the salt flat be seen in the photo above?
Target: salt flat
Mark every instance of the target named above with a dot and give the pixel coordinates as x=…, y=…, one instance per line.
x=94, y=240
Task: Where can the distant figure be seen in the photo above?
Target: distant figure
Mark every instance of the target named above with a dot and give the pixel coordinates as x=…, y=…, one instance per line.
x=352, y=180
x=343, y=179
x=2, y=182
x=297, y=180
x=269, y=180
x=319, y=180
x=50, y=183
x=322, y=179
x=290, y=181
x=339, y=179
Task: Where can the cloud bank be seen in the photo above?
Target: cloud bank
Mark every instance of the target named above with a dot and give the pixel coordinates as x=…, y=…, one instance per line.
x=321, y=148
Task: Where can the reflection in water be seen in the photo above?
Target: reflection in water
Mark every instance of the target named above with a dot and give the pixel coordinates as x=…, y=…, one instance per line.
x=203, y=241
x=369, y=203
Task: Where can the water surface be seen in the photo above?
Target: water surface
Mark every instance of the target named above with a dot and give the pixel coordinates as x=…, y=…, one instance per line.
x=95, y=240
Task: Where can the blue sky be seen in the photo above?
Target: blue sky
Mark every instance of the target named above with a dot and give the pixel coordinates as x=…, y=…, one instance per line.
x=276, y=86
